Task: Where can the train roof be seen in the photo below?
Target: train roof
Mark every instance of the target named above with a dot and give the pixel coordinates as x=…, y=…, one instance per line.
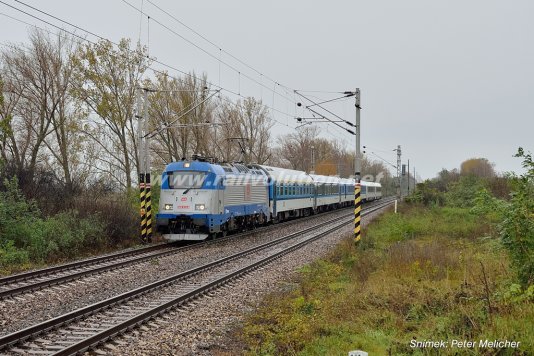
x=287, y=175
x=325, y=179
x=218, y=168
x=199, y=166
x=370, y=184
x=278, y=174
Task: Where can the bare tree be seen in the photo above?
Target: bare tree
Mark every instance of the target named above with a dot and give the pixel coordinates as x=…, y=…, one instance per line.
x=296, y=148
x=66, y=139
x=194, y=92
x=180, y=117
x=228, y=149
x=106, y=81
x=255, y=125
x=165, y=106
x=36, y=81
x=245, y=125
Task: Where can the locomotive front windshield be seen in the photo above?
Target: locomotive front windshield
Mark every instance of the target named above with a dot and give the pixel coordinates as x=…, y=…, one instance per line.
x=186, y=180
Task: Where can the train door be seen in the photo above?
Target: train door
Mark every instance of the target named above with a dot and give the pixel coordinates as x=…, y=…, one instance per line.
x=220, y=196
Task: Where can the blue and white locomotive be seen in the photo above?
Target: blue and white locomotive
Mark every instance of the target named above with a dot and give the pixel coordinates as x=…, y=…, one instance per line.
x=200, y=199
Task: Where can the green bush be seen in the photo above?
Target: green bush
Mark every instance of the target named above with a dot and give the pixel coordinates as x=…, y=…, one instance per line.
x=119, y=213
x=427, y=194
x=26, y=236
x=464, y=192
x=63, y=236
x=517, y=227
x=10, y=255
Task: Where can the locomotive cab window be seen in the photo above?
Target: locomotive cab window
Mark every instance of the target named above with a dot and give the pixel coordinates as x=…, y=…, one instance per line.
x=186, y=180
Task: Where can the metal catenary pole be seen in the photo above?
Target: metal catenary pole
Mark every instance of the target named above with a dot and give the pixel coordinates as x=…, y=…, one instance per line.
x=414, y=180
x=399, y=171
x=408, y=174
x=141, y=138
x=148, y=198
x=144, y=167
x=357, y=174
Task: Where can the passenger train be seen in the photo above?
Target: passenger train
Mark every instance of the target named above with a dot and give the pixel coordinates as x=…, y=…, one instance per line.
x=200, y=199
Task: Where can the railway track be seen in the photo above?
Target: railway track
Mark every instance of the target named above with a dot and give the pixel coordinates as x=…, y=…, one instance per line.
x=44, y=278
x=87, y=327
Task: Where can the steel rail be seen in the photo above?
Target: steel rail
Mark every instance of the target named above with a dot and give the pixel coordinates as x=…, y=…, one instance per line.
x=74, y=265
x=35, y=330
x=109, y=333
x=128, y=255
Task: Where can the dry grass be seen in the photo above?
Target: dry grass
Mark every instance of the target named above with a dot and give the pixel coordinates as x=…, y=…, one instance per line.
x=447, y=283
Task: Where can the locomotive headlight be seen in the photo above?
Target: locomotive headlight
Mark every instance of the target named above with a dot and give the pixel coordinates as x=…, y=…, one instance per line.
x=168, y=207
x=200, y=206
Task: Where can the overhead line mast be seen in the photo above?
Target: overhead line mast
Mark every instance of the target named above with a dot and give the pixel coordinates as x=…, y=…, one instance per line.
x=357, y=173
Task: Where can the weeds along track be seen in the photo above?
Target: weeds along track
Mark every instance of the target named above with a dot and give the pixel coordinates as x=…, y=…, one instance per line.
x=87, y=327
x=44, y=278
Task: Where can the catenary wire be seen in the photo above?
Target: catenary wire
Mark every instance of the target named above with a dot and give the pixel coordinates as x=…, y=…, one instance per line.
x=114, y=43
x=200, y=48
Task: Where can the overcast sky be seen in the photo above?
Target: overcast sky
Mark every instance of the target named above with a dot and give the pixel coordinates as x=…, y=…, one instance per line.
x=447, y=80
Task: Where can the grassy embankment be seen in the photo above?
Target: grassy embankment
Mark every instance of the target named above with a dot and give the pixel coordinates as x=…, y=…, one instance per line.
x=94, y=224
x=430, y=273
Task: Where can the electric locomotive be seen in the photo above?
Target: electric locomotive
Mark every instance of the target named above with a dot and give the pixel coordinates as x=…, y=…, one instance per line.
x=201, y=199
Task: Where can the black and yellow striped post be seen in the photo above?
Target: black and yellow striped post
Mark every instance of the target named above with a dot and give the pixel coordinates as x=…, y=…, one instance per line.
x=148, y=204
x=357, y=211
x=142, y=210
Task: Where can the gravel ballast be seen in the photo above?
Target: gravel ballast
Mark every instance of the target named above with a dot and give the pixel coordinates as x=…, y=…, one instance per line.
x=31, y=308
x=202, y=328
